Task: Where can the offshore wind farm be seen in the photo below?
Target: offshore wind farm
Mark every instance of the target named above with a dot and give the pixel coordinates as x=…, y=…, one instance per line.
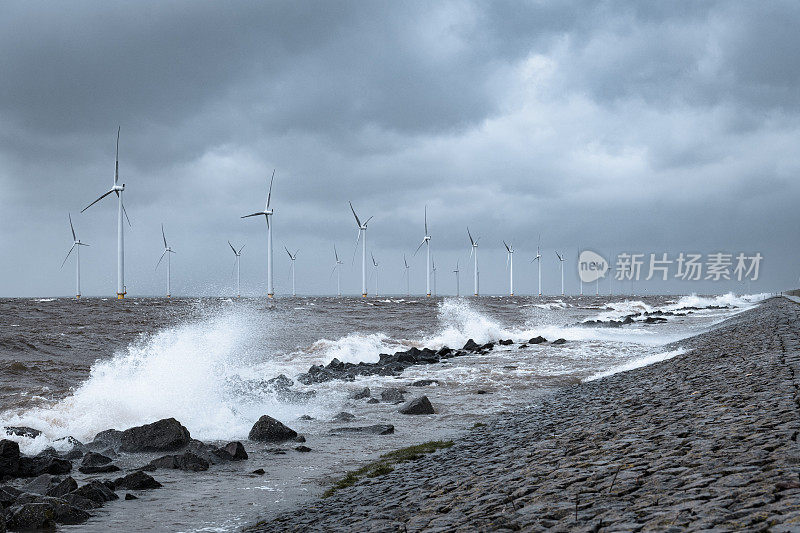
x=571, y=302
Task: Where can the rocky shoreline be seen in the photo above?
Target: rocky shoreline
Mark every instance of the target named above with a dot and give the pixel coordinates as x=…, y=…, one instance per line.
x=707, y=440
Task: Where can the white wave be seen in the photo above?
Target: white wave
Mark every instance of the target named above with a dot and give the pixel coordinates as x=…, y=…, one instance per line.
x=637, y=363
x=46, y=300
x=461, y=322
x=724, y=300
x=353, y=348
x=556, y=304
x=185, y=372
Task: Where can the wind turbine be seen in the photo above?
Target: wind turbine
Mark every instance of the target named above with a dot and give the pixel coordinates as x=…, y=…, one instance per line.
x=474, y=252
x=117, y=189
x=337, y=268
x=433, y=269
x=238, y=256
x=426, y=241
x=456, y=271
x=510, y=266
x=375, y=265
x=292, y=258
x=267, y=212
x=362, y=229
x=561, y=262
x=167, y=251
x=76, y=244
x=538, y=259
x=408, y=278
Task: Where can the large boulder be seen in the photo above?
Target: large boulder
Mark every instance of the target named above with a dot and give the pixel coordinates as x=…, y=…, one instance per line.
x=43, y=464
x=95, y=459
x=392, y=395
x=267, y=429
x=186, y=461
x=22, y=431
x=537, y=340
x=363, y=393
x=106, y=440
x=137, y=481
x=471, y=346
x=162, y=436
x=63, y=512
x=8, y=496
x=233, y=451
x=9, y=458
x=96, y=491
x=39, y=485
x=417, y=406
x=31, y=517
x=63, y=488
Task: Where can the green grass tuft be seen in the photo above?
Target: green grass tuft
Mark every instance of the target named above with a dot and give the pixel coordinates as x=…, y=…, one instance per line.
x=386, y=463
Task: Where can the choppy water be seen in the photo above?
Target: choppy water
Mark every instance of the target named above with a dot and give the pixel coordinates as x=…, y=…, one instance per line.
x=79, y=367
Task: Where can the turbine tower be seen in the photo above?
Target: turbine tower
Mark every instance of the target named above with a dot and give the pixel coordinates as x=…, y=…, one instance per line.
x=337, y=268
x=292, y=258
x=510, y=266
x=408, y=278
x=427, y=242
x=76, y=244
x=375, y=265
x=267, y=212
x=456, y=271
x=561, y=262
x=117, y=189
x=474, y=252
x=236, y=265
x=362, y=229
x=538, y=259
x=167, y=251
x=433, y=270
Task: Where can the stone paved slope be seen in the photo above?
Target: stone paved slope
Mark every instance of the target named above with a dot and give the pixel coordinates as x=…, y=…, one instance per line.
x=707, y=440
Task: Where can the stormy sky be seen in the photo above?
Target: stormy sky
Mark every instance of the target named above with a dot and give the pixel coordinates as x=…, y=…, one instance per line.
x=648, y=127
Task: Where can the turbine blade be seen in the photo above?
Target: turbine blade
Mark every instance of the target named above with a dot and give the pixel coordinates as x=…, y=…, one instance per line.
x=426, y=220
x=91, y=204
x=418, y=247
x=470, y=237
x=160, y=258
x=287, y=251
x=404, y=261
x=116, y=165
x=354, y=214
x=269, y=195
x=74, y=238
x=507, y=248
x=367, y=221
x=125, y=212
x=163, y=236
x=232, y=248
x=335, y=253
x=355, y=248
x=252, y=215
x=67, y=257
x=240, y=249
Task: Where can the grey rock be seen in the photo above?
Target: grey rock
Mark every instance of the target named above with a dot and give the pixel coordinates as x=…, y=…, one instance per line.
x=417, y=406
x=137, y=481
x=376, y=429
x=164, y=435
x=188, y=461
x=267, y=429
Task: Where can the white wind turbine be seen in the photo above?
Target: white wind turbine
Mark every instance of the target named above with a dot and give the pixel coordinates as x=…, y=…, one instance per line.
x=236, y=265
x=362, y=236
x=167, y=251
x=76, y=245
x=456, y=271
x=337, y=268
x=561, y=262
x=510, y=266
x=433, y=270
x=427, y=242
x=375, y=266
x=117, y=189
x=538, y=260
x=474, y=252
x=292, y=258
x=408, y=277
x=267, y=212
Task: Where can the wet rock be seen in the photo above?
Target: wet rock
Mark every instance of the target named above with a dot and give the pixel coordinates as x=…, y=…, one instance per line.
x=654, y=320
x=480, y=391
x=363, y=393
x=9, y=458
x=164, y=435
x=63, y=488
x=137, y=481
x=96, y=491
x=108, y=439
x=275, y=451
x=31, y=517
x=299, y=438
x=392, y=396
x=280, y=381
x=377, y=429
x=306, y=417
x=63, y=512
x=303, y=449
x=81, y=502
x=40, y=485
x=188, y=462
x=417, y=406
x=233, y=451
x=267, y=429
x=95, y=459
x=505, y=342
x=471, y=346
x=373, y=400
x=343, y=416
x=537, y=340
x=258, y=472
x=559, y=341
x=22, y=431
x=102, y=469
x=424, y=382
x=8, y=496
x=35, y=466
x=444, y=352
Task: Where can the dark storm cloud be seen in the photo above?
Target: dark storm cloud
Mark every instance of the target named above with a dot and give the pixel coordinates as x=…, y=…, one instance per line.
x=614, y=123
